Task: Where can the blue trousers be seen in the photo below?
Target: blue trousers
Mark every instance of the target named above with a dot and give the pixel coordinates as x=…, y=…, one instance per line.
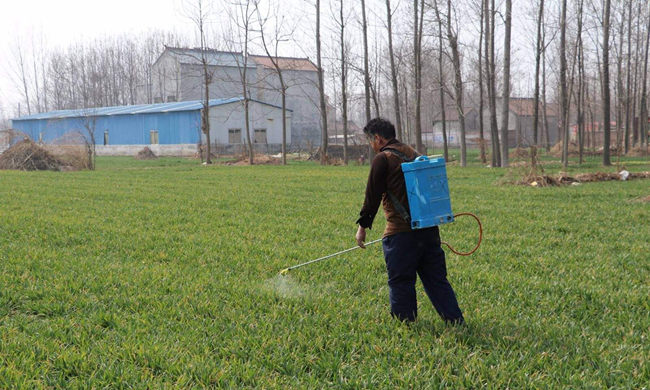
x=418, y=252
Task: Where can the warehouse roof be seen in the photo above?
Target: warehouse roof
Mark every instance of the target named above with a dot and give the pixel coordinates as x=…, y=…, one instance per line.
x=189, y=105
x=193, y=56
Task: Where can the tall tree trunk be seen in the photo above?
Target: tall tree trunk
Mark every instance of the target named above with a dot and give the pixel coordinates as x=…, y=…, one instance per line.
x=207, y=79
x=626, y=136
x=505, y=110
x=344, y=98
x=619, y=85
x=458, y=84
x=635, y=98
x=606, y=97
x=417, y=65
x=366, y=71
x=564, y=103
x=481, y=137
x=581, y=87
x=393, y=71
x=441, y=84
x=538, y=54
x=643, y=117
x=321, y=90
x=490, y=63
x=545, y=126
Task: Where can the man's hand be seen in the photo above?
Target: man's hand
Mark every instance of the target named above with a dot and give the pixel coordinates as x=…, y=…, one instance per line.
x=361, y=237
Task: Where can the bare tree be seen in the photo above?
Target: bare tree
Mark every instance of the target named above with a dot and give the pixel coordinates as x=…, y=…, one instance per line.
x=198, y=11
x=321, y=90
x=564, y=104
x=418, y=16
x=643, y=117
x=441, y=83
x=606, y=94
x=626, y=136
x=490, y=15
x=581, y=84
x=344, y=71
x=538, y=54
x=393, y=71
x=505, y=109
x=480, y=85
x=366, y=71
x=21, y=74
x=452, y=37
x=277, y=37
x=242, y=17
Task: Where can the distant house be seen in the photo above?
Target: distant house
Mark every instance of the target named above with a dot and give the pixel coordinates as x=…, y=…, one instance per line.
x=520, y=123
x=178, y=76
x=355, y=133
x=452, y=127
x=595, y=134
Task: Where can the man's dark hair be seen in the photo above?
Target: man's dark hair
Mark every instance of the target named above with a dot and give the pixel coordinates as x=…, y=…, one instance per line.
x=381, y=127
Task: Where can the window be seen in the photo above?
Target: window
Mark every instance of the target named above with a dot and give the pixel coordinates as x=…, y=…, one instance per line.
x=105, y=137
x=171, y=98
x=153, y=137
x=157, y=99
x=260, y=136
x=234, y=136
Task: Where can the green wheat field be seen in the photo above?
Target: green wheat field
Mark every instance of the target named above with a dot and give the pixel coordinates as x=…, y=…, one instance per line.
x=164, y=274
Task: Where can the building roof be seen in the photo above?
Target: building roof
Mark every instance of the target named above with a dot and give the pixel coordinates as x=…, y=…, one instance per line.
x=451, y=113
x=286, y=63
x=526, y=106
x=190, y=105
x=192, y=56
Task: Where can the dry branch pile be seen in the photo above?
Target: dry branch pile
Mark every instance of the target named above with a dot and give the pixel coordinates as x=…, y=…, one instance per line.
x=28, y=156
x=145, y=154
x=562, y=179
x=259, y=159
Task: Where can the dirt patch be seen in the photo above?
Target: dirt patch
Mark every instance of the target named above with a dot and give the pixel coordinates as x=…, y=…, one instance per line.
x=574, y=150
x=146, y=154
x=26, y=155
x=259, y=159
x=562, y=179
x=642, y=199
x=637, y=152
x=521, y=153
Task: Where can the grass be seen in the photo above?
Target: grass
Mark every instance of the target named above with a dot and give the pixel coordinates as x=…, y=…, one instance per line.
x=163, y=274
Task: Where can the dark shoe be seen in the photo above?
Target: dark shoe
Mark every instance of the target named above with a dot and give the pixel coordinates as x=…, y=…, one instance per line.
x=460, y=321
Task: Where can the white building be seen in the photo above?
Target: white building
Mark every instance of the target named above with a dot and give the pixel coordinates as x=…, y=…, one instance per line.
x=178, y=76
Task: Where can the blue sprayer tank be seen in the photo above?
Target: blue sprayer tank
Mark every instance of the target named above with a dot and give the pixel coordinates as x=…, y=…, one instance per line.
x=428, y=192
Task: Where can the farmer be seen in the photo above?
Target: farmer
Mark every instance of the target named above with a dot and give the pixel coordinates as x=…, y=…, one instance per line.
x=406, y=251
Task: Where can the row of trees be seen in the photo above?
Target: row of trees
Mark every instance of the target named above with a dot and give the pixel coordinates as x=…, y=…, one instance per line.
x=580, y=35
x=414, y=62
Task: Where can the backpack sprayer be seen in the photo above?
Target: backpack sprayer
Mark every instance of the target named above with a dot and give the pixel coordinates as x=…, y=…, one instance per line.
x=429, y=203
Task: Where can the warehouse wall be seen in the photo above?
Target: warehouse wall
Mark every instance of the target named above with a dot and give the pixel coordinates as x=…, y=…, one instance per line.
x=133, y=129
x=262, y=116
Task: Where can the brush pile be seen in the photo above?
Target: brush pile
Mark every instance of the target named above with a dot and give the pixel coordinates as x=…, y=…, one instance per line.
x=26, y=155
x=146, y=154
x=258, y=159
x=563, y=179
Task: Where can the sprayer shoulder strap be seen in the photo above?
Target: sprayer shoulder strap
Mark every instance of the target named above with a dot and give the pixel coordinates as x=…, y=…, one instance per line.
x=396, y=203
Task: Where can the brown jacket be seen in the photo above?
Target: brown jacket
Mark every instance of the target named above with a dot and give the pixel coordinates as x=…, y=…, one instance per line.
x=386, y=175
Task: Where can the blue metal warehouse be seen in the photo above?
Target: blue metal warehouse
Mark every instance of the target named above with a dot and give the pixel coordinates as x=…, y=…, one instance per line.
x=174, y=123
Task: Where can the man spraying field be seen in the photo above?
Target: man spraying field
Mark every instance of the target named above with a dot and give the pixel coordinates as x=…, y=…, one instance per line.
x=407, y=252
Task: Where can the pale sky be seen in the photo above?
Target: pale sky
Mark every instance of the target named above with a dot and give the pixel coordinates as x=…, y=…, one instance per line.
x=61, y=23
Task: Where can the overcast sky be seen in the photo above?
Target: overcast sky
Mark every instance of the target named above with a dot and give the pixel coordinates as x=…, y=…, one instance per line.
x=61, y=23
